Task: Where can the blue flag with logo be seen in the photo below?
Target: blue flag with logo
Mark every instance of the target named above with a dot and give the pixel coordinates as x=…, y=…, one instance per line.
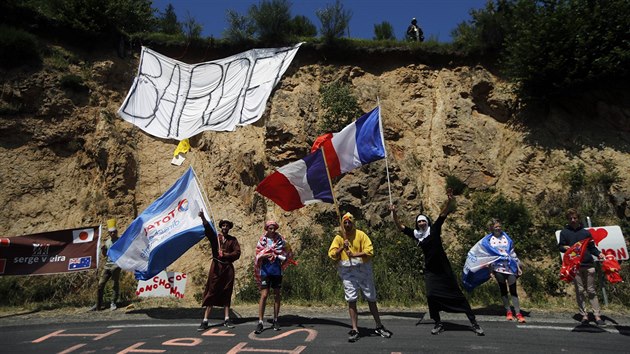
x=481, y=256
x=163, y=232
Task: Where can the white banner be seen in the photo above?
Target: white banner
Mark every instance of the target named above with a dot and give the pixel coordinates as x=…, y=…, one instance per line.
x=172, y=99
x=164, y=284
x=608, y=239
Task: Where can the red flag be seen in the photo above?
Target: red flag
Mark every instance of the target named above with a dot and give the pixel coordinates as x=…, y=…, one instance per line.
x=611, y=268
x=572, y=259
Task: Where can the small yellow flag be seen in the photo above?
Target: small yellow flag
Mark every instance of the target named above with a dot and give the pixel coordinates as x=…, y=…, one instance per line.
x=111, y=225
x=183, y=147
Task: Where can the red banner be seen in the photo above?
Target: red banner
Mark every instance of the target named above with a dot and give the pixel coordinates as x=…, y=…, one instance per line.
x=50, y=252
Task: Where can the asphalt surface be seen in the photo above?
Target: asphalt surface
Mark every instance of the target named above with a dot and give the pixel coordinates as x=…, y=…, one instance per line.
x=303, y=330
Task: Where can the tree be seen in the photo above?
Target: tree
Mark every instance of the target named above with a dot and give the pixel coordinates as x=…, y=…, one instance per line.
x=334, y=19
x=167, y=22
x=553, y=46
x=574, y=43
x=485, y=33
x=340, y=106
x=384, y=31
x=192, y=28
x=97, y=16
x=240, y=28
x=303, y=27
x=272, y=20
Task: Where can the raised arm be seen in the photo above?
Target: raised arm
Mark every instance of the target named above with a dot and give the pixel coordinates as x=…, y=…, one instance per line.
x=449, y=205
x=399, y=225
x=210, y=235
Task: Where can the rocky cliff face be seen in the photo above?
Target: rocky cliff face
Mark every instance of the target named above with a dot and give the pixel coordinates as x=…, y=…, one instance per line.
x=67, y=160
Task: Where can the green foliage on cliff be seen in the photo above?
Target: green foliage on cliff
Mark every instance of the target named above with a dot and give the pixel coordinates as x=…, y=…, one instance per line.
x=340, y=106
x=551, y=47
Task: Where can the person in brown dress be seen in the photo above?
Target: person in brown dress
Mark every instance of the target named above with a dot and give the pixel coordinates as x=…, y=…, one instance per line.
x=225, y=251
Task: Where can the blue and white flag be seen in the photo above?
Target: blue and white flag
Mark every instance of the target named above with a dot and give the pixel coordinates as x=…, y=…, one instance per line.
x=480, y=257
x=163, y=232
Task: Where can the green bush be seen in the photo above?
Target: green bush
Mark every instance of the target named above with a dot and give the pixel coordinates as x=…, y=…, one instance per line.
x=575, y=177
x=588, y=192
x=541, y=282
x=10, y=108
x=301, y=26
x=240, y=28
x=485, y=32
x=335, y=20
x=272, y=20
x=159, y=38
x=99, y=17
x=192, y=28
x=397, y=269
x=605, y=177
x=551, y=47
x=314, y=278
x=339, y=105
x=73, y=82
x=620, y=293
x=167, y=22
x=17, y=48
x=384, y=31
x=457, y=185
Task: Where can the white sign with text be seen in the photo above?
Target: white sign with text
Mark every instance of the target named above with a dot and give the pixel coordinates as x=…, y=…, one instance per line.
x=608, y=239
x=164, y=284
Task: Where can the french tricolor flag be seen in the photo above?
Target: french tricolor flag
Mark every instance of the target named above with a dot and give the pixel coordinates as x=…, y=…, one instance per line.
x=356, y=145
x=305, y=181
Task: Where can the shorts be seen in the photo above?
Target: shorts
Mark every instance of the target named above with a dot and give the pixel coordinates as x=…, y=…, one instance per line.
x=358, y=278
x=271, y=281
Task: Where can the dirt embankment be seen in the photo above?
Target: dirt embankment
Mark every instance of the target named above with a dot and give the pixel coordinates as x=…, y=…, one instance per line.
x=68, y=160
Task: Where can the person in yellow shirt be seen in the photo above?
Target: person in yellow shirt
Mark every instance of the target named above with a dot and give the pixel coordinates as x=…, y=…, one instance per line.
x=353, y=251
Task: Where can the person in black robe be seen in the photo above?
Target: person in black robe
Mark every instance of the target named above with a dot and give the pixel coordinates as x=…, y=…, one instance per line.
x=443, y=292
x=225, y=251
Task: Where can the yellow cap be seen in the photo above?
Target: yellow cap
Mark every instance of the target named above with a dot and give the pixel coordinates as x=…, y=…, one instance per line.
x=111, y=225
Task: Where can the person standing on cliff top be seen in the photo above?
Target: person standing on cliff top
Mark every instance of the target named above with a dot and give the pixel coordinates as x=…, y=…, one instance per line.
x=414, y=33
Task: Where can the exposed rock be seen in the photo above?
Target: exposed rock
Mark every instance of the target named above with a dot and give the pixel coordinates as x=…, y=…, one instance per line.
x=67, y=164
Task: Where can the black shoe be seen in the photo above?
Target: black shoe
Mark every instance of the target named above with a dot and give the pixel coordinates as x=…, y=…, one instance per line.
x=439, y=328
x=259, y=328
x=276, y=326
x=353, y=336
x=477, y=329
x=383, y=332
x=227, y=323
x=600, y=323
x=203, y=326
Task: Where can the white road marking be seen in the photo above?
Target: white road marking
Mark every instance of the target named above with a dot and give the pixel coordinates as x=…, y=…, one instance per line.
x=571, y=329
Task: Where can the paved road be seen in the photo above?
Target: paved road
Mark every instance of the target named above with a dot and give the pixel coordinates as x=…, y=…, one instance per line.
x=323, y=333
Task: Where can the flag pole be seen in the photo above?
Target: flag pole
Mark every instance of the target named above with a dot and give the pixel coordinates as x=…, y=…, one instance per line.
x=380, y=122
x=332, y=191
x=203, y=190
